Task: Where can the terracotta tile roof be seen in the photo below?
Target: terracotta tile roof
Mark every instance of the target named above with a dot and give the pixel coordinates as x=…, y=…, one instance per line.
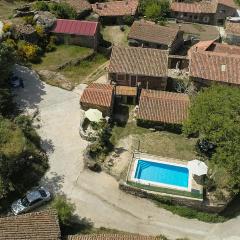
x=76, y=27
x=162, y=106
x=37, y=225
x=196, y=7
x=229, y=3
x=215, y=66
x=232, y=28
x=126, y=91
x=202, y=45
x=225, y=48
x=153, y=33
x=111, y=237
x=139, y=61
x=79, y=5
x=98, y=94
x=116, y=8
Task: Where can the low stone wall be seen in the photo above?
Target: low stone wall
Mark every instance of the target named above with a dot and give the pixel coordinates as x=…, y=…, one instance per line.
x=76, y=61
x=178, y=200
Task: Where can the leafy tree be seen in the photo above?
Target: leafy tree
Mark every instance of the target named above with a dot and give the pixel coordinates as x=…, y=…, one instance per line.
x=63, y=10
x=155, y=10
x=215, y=116
x=41, y=6
x=64, y=209
x=7, y=59
x=102, y=146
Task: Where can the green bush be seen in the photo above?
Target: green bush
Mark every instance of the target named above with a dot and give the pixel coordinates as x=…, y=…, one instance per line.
x=155, y=10
x=41, y=6
x=191, y=213
x=63, y=10
x=64, y=209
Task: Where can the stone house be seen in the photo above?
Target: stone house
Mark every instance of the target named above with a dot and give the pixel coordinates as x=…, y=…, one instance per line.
x=149, y=34
x=82, y=7
x=82, y=33
x=207, y=12
x=42, y=225
x=214, y=62
x=232, y=32
x=139, y=67
x=115, y=11
x=98, y=96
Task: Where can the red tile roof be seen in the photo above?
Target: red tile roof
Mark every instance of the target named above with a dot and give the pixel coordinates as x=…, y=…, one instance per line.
x=112, y=237
x=215, y=66
x=202, y=45
x=225, y=48
x=37, y=225
x=151, y=32
x=116, y=8
x=161, y=106
x=195, y=7
x=76, y=27
x=139, y=61
x=229, y=3
x=98, y=94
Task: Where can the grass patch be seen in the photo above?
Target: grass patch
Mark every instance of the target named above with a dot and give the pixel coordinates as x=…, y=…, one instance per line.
x=198, y=27
x=62, y=54
x=7, y=7
x=191, y=213
x=168, y=144
x=114, y=35
x=78, y=74
x=166, y=190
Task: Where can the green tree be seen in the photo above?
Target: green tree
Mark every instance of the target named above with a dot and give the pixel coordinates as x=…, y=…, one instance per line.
x=63, y=10
x=7, y=59
x=64, y=209
x=155, y=10
x=215, y=116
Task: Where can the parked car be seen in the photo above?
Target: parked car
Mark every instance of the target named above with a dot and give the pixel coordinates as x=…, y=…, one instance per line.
x=33, y=199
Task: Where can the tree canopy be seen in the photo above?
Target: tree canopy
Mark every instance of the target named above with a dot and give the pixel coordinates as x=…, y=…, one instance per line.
x=155, y=10
x=215, y=116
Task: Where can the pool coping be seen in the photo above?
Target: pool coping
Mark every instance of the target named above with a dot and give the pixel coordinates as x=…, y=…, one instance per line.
x=155, y=184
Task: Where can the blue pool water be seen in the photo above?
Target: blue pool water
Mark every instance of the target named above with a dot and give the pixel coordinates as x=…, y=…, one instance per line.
x=162, y=173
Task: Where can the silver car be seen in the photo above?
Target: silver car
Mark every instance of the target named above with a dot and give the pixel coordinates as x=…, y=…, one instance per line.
x=33, y=199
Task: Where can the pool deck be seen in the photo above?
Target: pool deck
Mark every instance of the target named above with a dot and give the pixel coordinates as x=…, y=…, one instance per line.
x=193, y=182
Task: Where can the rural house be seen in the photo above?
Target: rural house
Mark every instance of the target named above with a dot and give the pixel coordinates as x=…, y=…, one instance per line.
x=98, y=96
x=214, y=62
x=143, y=67
x=82, y=33
x=232, y=32
x=163, y=107
x=149, y=34
x=115, y=11
x=82, y=7
x=208, y=12
x=42, y=225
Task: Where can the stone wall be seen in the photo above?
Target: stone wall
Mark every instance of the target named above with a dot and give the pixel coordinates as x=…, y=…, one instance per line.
x=178, y=200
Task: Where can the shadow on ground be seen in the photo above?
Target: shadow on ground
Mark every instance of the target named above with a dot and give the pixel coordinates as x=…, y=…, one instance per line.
x=233, y=208
x=54, y=183
x=31, y=95
x=48, y=146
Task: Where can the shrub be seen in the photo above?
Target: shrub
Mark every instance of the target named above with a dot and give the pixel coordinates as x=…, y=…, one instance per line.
x=28, y=51
x=7, y=27
x=63, y=10
x=64, y=209
x=29, y=20
x=41, y=6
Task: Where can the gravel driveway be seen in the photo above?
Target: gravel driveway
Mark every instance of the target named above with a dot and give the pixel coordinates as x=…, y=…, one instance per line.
x=96, y=195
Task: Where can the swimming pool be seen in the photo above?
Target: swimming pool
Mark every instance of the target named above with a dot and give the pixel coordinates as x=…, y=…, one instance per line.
x=162, y=174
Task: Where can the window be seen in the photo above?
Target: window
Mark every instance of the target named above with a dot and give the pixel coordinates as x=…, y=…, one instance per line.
x=35, y=202
x=120, y=77
x=206, y=19
x=185, y=14
x=195, y=17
